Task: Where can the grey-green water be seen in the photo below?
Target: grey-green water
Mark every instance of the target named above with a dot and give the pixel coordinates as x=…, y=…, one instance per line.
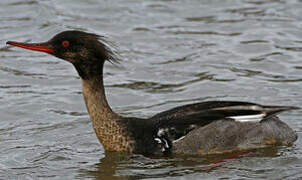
x=174, y=53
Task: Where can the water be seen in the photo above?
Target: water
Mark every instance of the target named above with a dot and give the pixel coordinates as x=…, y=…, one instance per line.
x=174, y=53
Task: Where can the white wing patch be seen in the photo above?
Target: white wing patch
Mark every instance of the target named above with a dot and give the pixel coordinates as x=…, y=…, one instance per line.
x=162, y=131
x=249, y=118
x=162, y=140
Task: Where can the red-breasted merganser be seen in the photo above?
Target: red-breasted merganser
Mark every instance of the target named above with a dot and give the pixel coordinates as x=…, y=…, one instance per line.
x=202, y=128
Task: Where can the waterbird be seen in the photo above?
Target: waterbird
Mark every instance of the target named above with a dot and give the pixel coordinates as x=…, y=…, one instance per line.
x=202, y=128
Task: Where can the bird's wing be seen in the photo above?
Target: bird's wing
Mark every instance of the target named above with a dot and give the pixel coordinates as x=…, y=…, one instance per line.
x=178, y=121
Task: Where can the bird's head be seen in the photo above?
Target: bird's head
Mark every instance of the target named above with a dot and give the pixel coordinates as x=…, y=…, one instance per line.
x=86, y=51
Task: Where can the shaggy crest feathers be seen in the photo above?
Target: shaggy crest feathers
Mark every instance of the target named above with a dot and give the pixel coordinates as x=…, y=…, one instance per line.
x=111, y=50
x=93, y=41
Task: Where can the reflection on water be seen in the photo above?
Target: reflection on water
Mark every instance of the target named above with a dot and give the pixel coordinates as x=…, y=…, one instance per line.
x=173, y=53
x=120, y=166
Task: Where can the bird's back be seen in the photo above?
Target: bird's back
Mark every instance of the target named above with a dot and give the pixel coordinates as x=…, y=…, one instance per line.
x=228, y=135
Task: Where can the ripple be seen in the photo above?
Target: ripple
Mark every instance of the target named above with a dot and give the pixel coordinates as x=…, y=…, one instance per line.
x=230, y=21
x=141, y=29
x=150, y=86
x=246, y=11
x=298, y=67
x=253, y=41
x=5, y=48
x=23, y=2
x=205, y=33
x=182, y=59
x=21, y=73
x=157, y=5
x=261, y=2
x=14, y=86
x=265, y=56
x=169, y=27
x=285, y=80
x=206, y=19
x=61, y=112
x=15, y=19
x=295, y=49
x=213, y=19
x=169, y=87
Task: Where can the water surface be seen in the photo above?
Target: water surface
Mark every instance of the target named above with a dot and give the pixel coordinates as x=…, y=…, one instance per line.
x=174, y=53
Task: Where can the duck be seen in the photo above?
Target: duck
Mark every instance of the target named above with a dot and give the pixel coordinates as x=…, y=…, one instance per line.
x=211, y=127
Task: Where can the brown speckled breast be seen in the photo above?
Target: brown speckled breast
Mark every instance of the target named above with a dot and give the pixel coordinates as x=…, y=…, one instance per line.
x=113, y=136
x=109, y=131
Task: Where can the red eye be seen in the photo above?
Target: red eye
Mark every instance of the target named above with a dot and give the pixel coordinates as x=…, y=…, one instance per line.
x=65, y=43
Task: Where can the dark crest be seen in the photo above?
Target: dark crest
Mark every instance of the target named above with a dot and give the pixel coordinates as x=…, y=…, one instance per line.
x=86, y=51
x=110, y=50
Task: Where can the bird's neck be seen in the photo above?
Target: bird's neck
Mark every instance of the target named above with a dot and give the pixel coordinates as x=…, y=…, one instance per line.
x=95, y=99
x=94, y=93
x=107, y=127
